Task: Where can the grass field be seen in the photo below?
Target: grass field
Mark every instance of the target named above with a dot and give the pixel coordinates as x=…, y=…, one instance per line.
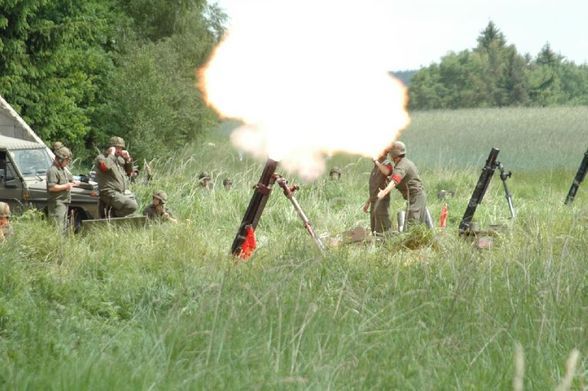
x=166, y=307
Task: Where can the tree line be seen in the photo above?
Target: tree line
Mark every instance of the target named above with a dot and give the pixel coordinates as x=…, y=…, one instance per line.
x=81, y=71
x=494, y=74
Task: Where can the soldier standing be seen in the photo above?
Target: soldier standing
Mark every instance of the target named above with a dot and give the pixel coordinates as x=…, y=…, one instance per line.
x=5, y=229
x=59, y=185
x=378, y=208
x=405, y=177
x=157, y=210
x=113, y=169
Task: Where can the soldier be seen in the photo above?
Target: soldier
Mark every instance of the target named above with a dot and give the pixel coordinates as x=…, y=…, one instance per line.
x=378, y=208
x=204, y=180
x=405, y=177
x=113, y=169
x=157, y=210
x=5, y=229
x=227, y=183
x=335, y=173
x=59, y=185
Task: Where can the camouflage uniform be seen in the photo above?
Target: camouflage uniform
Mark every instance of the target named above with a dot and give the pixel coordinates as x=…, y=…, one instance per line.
x=379, y=217
x=409, y=184
x=58, y=202
x=112, y=177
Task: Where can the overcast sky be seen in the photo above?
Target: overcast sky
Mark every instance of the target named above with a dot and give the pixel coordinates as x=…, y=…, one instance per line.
x=420, y=32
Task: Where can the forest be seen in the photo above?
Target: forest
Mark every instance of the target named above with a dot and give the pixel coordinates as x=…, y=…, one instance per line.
x=81, y=71
x=494, y=74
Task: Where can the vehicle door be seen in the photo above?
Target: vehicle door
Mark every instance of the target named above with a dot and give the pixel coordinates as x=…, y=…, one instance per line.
x=11, y=187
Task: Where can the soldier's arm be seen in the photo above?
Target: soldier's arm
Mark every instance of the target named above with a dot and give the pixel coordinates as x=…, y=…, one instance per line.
x=54, y=187
x=396, y=177
x=52, y=183
x=104, y=163
x=384, y=168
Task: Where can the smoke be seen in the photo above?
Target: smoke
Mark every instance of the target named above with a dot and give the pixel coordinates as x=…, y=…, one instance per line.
x=308, y=80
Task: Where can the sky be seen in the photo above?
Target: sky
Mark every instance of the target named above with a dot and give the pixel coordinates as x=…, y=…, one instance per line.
x=418, y=33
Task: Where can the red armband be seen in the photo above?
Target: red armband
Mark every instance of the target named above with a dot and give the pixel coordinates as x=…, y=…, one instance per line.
x=396, y=178
x=102, y=167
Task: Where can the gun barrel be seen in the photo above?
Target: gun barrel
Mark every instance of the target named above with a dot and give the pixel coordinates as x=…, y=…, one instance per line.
x=260, y=196
x=479, y=190
x=580, y=175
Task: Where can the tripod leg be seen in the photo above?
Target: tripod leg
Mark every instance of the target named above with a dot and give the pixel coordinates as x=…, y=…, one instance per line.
x=508, y=196
x=288, y=192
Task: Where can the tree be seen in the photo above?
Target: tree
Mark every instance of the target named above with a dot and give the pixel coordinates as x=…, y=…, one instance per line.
x=54, y=60
x=491, y=36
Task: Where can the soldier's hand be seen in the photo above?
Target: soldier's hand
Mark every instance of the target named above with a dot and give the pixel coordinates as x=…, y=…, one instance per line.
x=381, y=194
x=125, y=155
x=366, y=207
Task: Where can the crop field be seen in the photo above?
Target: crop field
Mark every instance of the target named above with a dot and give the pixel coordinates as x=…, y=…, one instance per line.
x=166, y=307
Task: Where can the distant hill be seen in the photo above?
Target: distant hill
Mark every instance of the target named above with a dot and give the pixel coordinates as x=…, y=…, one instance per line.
x=404, y=76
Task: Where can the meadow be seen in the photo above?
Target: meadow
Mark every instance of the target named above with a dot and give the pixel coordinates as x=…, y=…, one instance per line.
x=166, y=306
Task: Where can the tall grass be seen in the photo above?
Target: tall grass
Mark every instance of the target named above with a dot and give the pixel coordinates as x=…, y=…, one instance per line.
x=166, y=307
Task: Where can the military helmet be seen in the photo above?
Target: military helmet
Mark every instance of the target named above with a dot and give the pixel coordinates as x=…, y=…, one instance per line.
x=227, y=182
x=56, y=145
x=203, y=176
x=335, y=170
x=63, y=153
x=161, y=196
x=4, y=209
x=398, y=149
x=116, y=141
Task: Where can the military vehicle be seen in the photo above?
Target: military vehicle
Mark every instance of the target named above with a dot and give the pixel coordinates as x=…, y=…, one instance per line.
x=24, y=161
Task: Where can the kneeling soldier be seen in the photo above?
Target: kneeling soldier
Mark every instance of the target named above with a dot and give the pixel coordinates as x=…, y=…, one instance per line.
x=157, y=210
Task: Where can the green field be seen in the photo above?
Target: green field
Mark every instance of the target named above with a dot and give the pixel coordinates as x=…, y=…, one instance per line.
x=166, y=307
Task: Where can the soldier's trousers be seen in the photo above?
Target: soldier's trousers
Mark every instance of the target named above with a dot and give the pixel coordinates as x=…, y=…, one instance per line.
x=57, y=212
x=417, y=209
x=379, y=216
x=119, y=204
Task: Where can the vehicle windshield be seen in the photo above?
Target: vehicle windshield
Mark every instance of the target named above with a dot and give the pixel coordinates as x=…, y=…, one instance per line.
x=31, y=162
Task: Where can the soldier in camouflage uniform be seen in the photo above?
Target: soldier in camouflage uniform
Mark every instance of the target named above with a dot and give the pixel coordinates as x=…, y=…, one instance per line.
x=113, y=169
x=378, y=208
x=405, y=177
x=157, y=210
x=59, y=185
x=5, y=229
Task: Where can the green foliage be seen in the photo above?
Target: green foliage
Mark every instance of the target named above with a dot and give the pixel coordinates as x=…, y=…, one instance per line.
x=166, y=307
x=68, y=66
x=495, y=75
x=53, y=57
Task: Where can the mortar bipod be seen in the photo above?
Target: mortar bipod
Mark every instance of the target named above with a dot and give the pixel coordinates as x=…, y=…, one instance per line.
x=504, y=175
x=289, y=193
